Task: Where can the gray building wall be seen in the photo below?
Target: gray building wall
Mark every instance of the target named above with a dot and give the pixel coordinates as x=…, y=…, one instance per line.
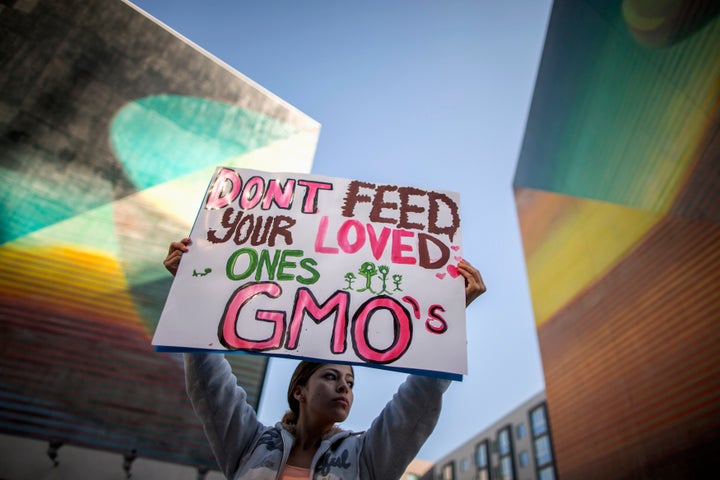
x=525, y=452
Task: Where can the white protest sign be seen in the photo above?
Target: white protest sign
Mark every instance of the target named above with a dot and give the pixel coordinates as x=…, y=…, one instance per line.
x=322, y=268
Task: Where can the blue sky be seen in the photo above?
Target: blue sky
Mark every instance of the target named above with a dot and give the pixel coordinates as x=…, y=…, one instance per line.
x=432, y=94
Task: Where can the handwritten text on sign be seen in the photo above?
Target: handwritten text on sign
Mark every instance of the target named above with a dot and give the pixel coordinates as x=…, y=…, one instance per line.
x=324, y=268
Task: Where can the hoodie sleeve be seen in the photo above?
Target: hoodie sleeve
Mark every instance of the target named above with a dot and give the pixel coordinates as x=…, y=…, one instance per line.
x=230, y=424
x=397, y=434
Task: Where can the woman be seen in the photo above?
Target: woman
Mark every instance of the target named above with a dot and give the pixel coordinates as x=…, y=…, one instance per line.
x=306, y=443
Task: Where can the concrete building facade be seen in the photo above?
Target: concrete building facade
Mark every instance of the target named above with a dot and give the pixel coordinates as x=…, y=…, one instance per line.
x=516, y=447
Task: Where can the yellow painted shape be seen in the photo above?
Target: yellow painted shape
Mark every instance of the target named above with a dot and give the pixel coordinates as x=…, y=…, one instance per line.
x=82, y=283
x=590, y=240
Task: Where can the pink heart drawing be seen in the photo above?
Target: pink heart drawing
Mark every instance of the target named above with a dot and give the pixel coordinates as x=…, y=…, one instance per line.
x=455, y=248
x=440, y=275
x=457, y=258
x=453, y=271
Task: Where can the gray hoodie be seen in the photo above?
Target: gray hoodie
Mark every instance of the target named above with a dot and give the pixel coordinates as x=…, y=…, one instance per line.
x=246, y=449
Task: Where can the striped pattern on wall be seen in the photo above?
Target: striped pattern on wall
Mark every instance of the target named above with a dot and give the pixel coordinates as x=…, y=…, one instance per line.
x=111, y=128
x=618, y=196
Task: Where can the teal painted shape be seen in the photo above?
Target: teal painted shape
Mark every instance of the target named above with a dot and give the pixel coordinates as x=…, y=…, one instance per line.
x=155, y=139
x=33, y=198
x=163, y=137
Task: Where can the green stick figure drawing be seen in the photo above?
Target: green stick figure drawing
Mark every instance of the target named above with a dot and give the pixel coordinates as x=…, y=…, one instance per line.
x=367, y=270
x=349, y=278
x=397, y=279
x=384, y=270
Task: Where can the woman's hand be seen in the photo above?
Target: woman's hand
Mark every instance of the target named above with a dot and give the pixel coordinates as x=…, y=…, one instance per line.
x=474, y=285
x=172, y=261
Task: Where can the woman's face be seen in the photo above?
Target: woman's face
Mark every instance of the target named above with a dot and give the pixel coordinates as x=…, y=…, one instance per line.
x=327, y=397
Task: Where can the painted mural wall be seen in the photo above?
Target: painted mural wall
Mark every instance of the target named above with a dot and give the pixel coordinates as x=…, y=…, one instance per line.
x=110, y=127
x=618, y=196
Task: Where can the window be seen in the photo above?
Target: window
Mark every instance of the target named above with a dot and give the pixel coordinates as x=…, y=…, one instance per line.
x=520, y=430
x=505, y=450
x=448, y=471
x=481, y=454
x=523, y=458
x=541, y=443
x=464, y=464
x=506, y=468
x=538, y=421
x=543, y=454
x=504, y=442
x=547, y=473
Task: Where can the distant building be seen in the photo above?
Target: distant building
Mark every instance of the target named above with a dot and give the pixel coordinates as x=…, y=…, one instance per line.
x=417, y=469
x=516, y=447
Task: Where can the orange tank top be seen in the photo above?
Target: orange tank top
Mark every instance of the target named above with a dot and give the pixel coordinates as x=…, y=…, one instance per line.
x=295, y=473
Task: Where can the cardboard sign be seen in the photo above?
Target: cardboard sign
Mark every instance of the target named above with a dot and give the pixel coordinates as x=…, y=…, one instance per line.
x=322, y=268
